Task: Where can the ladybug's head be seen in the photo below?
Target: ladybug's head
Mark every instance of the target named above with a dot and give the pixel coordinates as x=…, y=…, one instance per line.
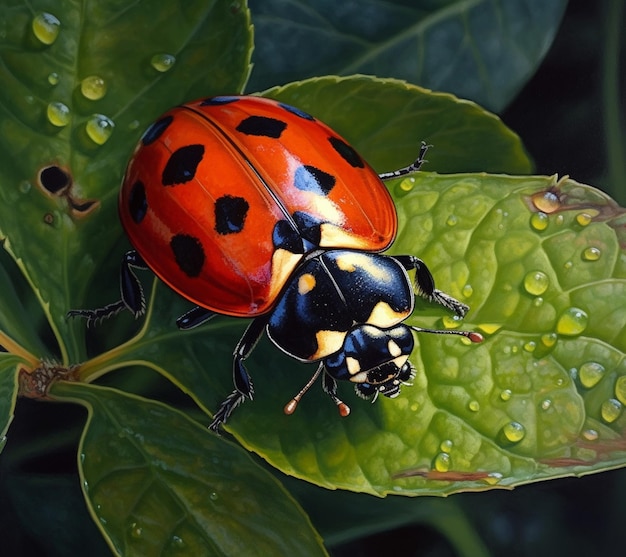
x=376, y=360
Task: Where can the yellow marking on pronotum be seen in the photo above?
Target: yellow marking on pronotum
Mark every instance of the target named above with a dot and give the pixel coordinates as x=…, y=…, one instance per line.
x=384, y=316
x=306, y=283
x=353, y=365
x=328, y=342
x=393, y=348
x=353, y=260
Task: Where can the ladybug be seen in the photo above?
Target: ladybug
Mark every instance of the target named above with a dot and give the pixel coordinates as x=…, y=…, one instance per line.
x=249, y=207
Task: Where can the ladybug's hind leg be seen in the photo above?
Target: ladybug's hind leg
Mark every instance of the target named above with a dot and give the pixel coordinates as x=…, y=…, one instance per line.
x=425, y=284
x=132, y=297
x=241, y=378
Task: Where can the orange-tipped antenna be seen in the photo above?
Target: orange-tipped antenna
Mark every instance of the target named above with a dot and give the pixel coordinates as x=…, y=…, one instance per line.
x=471, y=335
x=291, y=406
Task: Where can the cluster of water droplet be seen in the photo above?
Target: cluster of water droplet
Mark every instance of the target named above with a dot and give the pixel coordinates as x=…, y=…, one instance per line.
x=98, y=128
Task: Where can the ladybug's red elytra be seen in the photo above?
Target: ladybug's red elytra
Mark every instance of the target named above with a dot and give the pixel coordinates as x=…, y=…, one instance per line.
x=250, y=207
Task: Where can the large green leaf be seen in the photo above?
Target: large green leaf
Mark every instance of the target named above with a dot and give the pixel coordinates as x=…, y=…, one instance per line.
x=541, y=263
x=477, y=49
x=386, y=120
x=62, y=69
x=157, y=484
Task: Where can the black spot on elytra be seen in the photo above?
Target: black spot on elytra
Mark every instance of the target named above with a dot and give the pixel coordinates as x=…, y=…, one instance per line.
x=262, y=126
x=346, y=152
x=54, y=179
x=182, y=165
x=230, y=214
x=137, y=202
x=215, y=101
x=310, y=178
x=303, y=238
x=156, y=130
x=296, y=111
x=188, y=253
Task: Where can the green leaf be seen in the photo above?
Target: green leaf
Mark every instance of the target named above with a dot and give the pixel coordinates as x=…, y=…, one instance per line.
x=8, y=393
x=542, y=397
x=158, y=483
x=386, y=120
x=476, y=49
x=45, y=58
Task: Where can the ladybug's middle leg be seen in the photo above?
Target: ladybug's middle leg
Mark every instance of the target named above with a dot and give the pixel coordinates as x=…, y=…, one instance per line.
x=425, y=284
x=241, y=378
x=132, y=297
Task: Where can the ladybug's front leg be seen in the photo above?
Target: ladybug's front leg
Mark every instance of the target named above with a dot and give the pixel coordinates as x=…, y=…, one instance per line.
x=130, y=290
x=414, y=167
x=425, y=284
x=241, y=378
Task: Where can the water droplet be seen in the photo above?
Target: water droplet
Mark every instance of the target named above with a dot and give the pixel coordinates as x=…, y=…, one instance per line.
x=568, y=265
x=452, y=220
x=446, y=445
x=489, y=328
x=407, y=185
x=474, y=405
x=506, y=394
x=538, y=301
x=590, y=434
x=3, y=442
x=213, y=496
x=136, y=531
x=46, y=27
x=546, y=201
x=177, y=542
x=539, y=221
x=549, y=340
x=442, y=462
x=620, y=389
x=513, y=432
x=468, y=290
x=546, y=404
x=583, y=219
x=572, y=321
x=93, y=87
x=451, y=321
x=163, y=62
x=493, y=478
x=610, y=410
x=415, y=407
x=530, y=346
x=133, y=125
x=591, y=254
x=536, y=282
x=53, y=78
x=25, y=186
x=99, y=128
x=590, y=374
x=58, y=114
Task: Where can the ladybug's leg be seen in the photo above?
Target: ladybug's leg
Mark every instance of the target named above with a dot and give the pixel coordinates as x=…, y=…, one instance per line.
x=425, y=284
x=131, y=292
x=194, y=318
x=414, y=167
x=241, y=378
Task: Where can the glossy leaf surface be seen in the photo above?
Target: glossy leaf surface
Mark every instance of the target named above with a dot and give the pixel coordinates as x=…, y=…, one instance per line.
x=159, y=484
x=479, y=49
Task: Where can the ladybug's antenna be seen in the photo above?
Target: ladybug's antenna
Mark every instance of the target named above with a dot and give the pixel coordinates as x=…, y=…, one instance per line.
x=343, y=408
x=471, y=335
x=290, y=407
